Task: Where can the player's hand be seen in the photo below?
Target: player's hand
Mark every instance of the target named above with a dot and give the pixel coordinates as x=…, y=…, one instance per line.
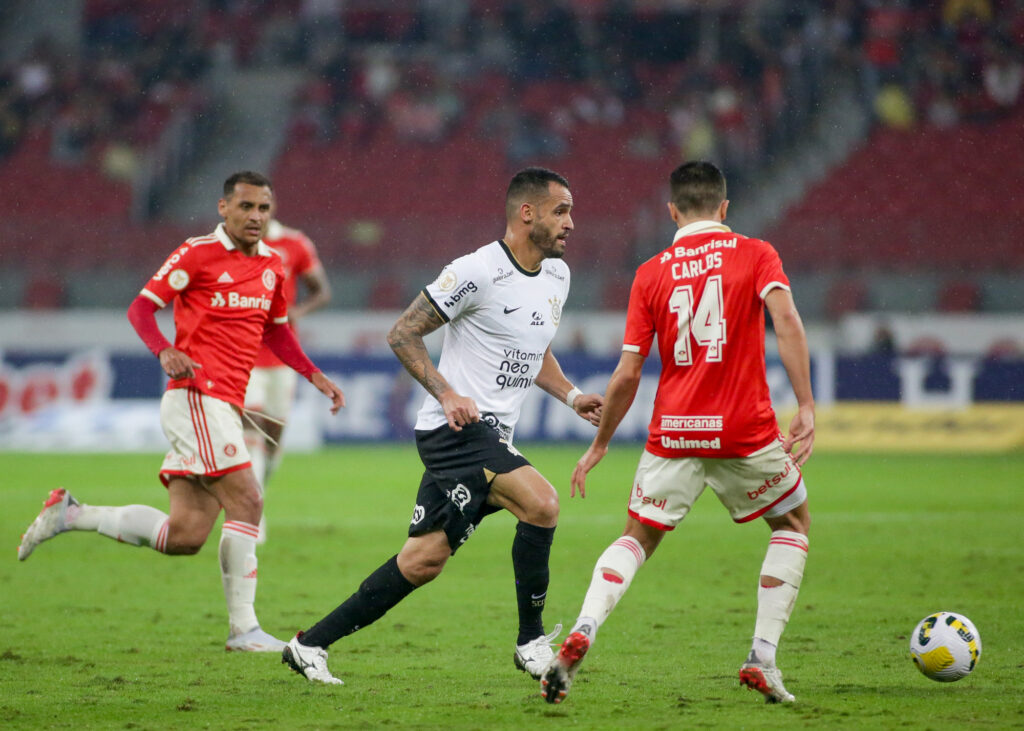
x=329, y=389
x=177, y=365
x=587, y=462
x=588, y=406
x=458, y=410
x=801, y=435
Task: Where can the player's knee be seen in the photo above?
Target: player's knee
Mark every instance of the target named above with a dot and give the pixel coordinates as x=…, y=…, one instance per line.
x=184, y=540
x=422, y=570
x=544, y=512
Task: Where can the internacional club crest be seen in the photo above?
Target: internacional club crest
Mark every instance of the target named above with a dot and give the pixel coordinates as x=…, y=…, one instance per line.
x=269, y=279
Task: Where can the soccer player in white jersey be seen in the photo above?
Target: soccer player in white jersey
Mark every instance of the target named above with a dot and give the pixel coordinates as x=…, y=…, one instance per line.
x=227, y=290
x=713, y=424
x=502, y=304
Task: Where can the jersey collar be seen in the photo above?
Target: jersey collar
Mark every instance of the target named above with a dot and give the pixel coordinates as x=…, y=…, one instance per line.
x=261, y=248
x=701, y=227
x=515, y=262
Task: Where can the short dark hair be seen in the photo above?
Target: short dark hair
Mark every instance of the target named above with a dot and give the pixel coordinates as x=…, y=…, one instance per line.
x=697, y=187
x=530, y=183
x=246, y=177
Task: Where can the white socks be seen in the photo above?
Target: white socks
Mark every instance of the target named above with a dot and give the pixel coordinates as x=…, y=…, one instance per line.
x=613, y=574
x=136, y=525
x=238, y=572
x=784, y=560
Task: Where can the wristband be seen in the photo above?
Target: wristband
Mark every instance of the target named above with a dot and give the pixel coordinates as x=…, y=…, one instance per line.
x=570, y=398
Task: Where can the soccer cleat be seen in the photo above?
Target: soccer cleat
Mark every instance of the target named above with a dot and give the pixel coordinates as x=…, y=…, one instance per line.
x=255, y=640
x=766, y=680
x=557, y=677
x=309, y=662
x=52, y=520
x=535, y=655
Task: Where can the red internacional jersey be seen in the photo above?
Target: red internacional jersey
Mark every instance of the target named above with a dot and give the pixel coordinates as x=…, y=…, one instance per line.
x=222, y=303
x=298, y=256
x=704, y=298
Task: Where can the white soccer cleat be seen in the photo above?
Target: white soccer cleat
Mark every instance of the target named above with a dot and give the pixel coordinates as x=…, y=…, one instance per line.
x=255, y=640
x=766, y=680
x=310, y=662
x=52, y=520
x=536, y=654
x=558, y=675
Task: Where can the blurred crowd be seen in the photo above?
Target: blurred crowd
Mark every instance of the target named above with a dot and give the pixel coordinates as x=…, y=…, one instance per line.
x=729, y=81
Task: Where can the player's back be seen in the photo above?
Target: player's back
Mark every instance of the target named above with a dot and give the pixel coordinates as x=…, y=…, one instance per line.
x=703, y=297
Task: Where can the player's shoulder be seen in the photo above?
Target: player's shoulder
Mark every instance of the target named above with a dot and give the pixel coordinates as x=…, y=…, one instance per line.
x=555, y=269
x=200, y=247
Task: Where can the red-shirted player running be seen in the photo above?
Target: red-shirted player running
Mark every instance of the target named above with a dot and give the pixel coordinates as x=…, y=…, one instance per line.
x=713, y=422
x=228, y=299
x=268, y=399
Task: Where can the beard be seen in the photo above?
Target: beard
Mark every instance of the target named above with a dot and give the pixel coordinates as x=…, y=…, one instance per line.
x=547, y=242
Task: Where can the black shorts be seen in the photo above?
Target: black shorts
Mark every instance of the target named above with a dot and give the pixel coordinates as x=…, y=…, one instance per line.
x=459, y=469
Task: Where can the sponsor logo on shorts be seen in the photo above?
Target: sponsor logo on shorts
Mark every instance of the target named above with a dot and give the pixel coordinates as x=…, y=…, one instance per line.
x=469, y=532
x=670, y=443
x=417, y=514
x=460, y=496
x=771, y=482
x=644, y=500
x=691, y=423
x=230, y=450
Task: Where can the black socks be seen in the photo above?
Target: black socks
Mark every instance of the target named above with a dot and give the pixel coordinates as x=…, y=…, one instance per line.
x=530, y=551
x=380, y=591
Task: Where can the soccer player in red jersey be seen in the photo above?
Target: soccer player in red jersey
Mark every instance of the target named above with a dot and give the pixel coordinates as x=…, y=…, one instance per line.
x=268, y=399
x=713, y=422
x=227, y=290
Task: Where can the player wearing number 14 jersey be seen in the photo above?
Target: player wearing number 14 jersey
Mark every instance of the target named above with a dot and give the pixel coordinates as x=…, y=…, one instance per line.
x=713, y=424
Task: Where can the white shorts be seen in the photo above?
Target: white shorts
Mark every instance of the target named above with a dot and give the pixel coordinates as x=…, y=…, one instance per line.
x=763, y=484
x=205, y=435
x=271, y=391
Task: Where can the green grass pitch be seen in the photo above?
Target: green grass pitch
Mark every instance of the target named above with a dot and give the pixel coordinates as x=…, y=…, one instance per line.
x=99, y=635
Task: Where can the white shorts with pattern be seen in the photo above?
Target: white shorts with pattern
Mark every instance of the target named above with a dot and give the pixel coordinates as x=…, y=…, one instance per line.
x=763, y=484
x=205, y=435
x=271, y=391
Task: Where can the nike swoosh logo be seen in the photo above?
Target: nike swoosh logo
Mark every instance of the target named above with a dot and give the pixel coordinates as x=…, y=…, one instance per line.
x=509, y=312
x=538, y=596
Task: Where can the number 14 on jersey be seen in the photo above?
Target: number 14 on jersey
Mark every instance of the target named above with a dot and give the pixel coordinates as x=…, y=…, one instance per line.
x=706, y=324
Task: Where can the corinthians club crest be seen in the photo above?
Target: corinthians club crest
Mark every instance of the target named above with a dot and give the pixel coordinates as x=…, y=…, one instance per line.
x=556, y=309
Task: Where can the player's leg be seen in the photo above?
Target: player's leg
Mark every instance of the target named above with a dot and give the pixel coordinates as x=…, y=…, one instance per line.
x=238, y=493
x=531, y=498
x=136, y=525
x=664, y=491
x=268, y=401
x=420, y=561
x=769, y=485
x=183, y=532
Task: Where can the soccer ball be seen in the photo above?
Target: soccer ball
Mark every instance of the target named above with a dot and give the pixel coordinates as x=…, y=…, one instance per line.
x=945, y=646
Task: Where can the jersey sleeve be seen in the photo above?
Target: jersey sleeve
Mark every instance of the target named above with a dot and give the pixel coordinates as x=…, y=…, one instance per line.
x=768, y=274
x=640, y=321
x=459, y=287
x=307, y=259
x=279, y=304
x=174, y=277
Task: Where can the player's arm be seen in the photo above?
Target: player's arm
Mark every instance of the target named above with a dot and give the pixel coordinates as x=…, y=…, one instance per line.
x=142, y=316
x=552, y=380
x=406, y=340
x=282, y=342
x=318, y=293
x=618, y=397
x=792, y=340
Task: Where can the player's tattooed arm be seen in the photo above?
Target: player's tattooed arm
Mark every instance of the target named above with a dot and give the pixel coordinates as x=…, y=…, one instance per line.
x=406, y=340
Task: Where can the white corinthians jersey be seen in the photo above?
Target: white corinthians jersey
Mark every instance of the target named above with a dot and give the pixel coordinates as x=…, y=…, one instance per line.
x=501, y=319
